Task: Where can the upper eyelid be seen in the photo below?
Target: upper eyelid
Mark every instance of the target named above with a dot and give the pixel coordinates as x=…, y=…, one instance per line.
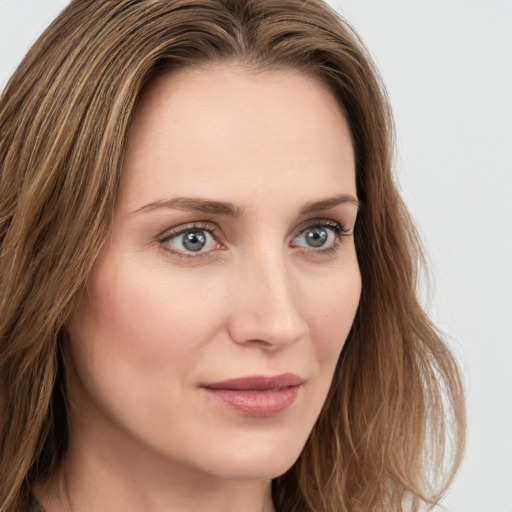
x=182, y=228
x=321, y=222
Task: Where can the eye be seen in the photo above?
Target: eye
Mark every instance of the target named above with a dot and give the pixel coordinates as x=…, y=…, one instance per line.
x=190, y=241
x=320, y=236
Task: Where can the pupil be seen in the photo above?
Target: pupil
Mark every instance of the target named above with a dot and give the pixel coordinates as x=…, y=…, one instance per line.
x=194, y=241
x=316, y=237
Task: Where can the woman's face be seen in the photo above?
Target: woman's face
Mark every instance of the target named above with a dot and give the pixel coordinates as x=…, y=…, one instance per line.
x=213, y=319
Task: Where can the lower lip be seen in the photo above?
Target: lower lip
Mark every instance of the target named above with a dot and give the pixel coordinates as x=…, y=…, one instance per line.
x=258, y=404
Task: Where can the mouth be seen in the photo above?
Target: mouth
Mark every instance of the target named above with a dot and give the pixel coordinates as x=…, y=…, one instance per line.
x=256, y=396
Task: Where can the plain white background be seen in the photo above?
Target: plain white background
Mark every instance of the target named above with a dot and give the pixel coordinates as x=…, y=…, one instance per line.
x=447, y=65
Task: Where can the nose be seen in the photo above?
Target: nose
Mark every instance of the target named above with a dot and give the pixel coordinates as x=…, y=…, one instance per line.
x=265, y=303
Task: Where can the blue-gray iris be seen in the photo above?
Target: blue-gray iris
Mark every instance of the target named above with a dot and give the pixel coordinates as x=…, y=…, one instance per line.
x=316, y=237
x=194, y=241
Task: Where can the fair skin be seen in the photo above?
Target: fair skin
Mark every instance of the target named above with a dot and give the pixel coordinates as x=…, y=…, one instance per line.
x=231, y=255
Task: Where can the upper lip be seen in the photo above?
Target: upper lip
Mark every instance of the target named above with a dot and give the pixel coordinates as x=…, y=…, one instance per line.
x=257, y=383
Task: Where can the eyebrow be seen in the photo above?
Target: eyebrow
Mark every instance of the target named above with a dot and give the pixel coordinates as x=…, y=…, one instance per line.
x=195, y=205
x=327, y=204
x=225, y=208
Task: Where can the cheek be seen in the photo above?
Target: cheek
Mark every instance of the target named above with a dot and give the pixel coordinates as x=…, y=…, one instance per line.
x=332, y=312
x=138, y=336
x=144, y=318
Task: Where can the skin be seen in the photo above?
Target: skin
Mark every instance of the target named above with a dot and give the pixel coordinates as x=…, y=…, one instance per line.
x=157, y=320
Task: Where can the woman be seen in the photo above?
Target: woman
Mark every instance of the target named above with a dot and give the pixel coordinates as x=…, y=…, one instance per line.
x=207, y=274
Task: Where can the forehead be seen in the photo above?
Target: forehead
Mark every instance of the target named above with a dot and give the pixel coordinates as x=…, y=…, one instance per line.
x=224, y=125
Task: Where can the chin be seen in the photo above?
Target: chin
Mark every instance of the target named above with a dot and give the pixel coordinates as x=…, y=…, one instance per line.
x=257, y=462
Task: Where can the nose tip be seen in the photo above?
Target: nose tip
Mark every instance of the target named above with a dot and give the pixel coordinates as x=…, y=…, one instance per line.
x=265, y=309
x=267, y=330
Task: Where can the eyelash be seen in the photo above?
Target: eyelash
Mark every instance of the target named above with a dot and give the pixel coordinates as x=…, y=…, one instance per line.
x=201, y=226
x=337, y=228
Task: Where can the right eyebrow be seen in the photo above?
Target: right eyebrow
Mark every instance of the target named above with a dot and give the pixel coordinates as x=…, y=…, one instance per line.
x=330, y=202
x=193, y=204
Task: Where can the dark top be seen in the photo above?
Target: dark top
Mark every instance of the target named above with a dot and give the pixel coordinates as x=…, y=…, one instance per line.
x=35, y=507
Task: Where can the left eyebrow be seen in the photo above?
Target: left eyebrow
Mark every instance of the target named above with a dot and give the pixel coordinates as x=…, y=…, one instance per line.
x=327, y=204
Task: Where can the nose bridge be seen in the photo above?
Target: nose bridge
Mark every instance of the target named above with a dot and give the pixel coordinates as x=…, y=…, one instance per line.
x=269, y=274
x=265, y=308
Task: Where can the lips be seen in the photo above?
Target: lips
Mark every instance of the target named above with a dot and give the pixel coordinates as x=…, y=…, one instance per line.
x=256, y=396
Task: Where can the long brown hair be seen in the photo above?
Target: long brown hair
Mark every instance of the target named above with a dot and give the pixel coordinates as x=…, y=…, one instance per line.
x=380, y=442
